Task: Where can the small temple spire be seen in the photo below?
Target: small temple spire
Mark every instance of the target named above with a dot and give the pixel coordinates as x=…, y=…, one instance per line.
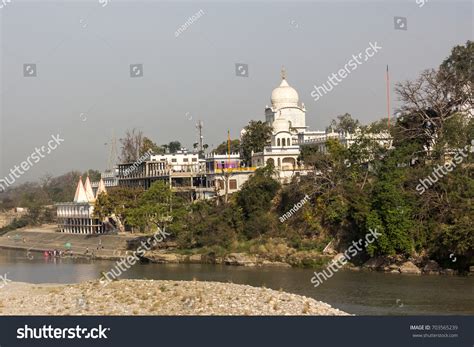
x=80, y=195
x=101, y=188
x=283, y=73
x=89, y=191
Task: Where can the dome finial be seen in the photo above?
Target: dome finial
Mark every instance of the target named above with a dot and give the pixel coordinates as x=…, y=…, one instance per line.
x=283, y=73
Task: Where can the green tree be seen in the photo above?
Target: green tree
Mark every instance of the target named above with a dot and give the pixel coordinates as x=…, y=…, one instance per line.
x=156, y=207
x=255, y=200
x=391, y=215
x=257, y=135
x=223, y=147
x=94, y=175
x=344, y=123
x=174, y=146
x=209, y=225
x=457, y=71
x=378, y=126
x=150, y=146
x=119, y=201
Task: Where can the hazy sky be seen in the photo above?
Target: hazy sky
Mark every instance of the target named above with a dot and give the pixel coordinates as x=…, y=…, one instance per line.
x=83, y=50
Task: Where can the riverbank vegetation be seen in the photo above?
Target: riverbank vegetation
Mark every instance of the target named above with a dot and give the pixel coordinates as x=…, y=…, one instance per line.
x=38, y=198
x=351, y=190
x=362, y=187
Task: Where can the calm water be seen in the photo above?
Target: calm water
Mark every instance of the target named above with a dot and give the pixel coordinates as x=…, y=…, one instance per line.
x=362, y=293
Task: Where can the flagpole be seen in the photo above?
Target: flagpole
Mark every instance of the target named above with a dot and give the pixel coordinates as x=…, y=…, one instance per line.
x=228, y=147
x=388, y=97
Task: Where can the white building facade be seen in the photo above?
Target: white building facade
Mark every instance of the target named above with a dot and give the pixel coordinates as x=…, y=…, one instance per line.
x=182, y=161
x=287, y=116
x=288, y=120
x=77, y=217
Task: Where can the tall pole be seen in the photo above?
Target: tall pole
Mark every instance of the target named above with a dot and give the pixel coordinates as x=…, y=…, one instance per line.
x=199, y=127
x=228, y=147
x=388, y=97
x=112, y=153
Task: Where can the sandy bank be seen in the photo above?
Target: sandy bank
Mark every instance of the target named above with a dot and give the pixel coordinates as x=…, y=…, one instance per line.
x=150, y=297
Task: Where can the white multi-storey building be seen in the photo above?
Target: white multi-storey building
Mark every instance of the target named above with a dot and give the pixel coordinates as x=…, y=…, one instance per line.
x=288, y=120
x=181, y=161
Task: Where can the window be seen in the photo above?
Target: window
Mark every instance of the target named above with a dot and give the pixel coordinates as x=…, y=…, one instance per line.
x=288, y=142
x=283, y=142
x=232, y=184
x=278, y=143
x=185, y=160
x=194, y=159
x=173, y=160
x=221, y=184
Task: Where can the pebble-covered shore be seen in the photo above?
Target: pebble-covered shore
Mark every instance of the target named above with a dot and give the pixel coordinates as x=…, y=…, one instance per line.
x=154, y=297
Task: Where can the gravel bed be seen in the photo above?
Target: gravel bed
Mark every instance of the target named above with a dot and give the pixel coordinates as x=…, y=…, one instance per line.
x=155, y=297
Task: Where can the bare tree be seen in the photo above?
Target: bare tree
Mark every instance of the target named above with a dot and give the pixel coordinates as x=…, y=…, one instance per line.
x=131, y=145
x=428, y=103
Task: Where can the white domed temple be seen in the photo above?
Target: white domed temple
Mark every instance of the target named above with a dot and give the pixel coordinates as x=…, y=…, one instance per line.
x=287, y=116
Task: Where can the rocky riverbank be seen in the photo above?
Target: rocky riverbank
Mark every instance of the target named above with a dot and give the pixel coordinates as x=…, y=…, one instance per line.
x=116, y=247
x=412, y=265
x=389, y=264
x=149, y=297
x=287, y=258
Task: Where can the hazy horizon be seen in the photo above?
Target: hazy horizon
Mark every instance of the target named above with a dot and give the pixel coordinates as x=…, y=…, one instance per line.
x=83, y=52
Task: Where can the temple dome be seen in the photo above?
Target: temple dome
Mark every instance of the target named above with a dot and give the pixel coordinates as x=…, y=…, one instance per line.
x=284, y=95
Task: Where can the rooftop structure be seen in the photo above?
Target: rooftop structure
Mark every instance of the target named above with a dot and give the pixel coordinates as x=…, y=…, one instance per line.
x=77, y=216
x=288, y=120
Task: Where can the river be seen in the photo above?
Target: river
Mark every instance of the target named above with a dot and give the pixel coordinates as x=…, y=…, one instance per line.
x=361, y=293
